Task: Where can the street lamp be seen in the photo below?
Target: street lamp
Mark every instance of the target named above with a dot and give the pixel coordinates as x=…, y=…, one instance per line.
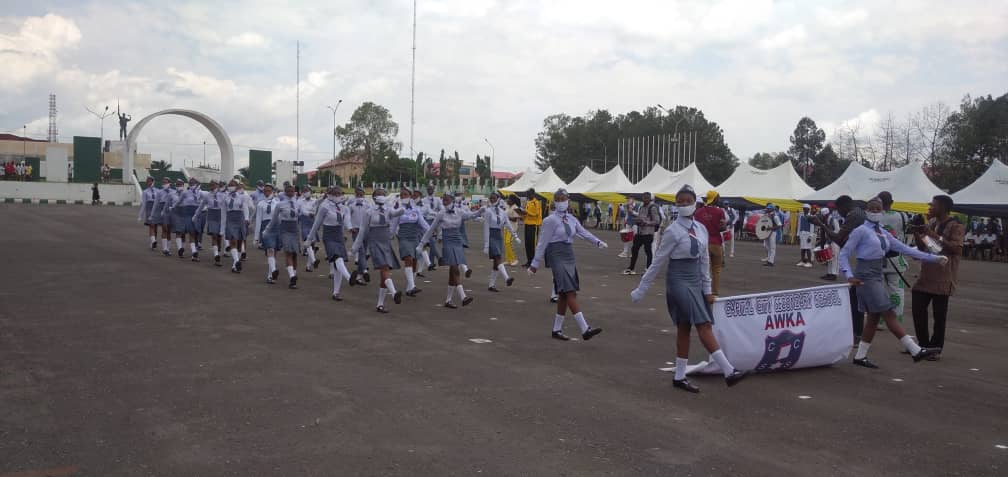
x=101, y=117
x=493, y=182
x=333, y=109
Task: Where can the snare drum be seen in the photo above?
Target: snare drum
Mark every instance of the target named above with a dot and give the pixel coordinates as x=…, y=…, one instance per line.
x=823, y=254
x=626, y=235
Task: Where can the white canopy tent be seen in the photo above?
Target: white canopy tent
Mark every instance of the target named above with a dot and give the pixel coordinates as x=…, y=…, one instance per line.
x=547, y=183
x=584, y=181
x=654, y=182
x=780, y=185
x=523, y=183
x=988, y=195
x=909, y=186
x=689, y=176
x=609, y=185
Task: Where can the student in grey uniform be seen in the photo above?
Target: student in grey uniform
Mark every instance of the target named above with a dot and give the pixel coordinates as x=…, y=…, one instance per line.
x=306, y=217
x=159, y=213
x=870, y=243
x=683, y=251
x=200, y=219
x=147, y=200
x=409, y=227
x=461, y=204
x=284, y=223
x=211, y=207
x=359, y=207
x=236, y=207
x=375, y=233
x=448, y=222
x=422, y=259
x=432, y=206
x=555, y=249
x=495, y=221
x=332, y=217
x=182, y=213
x=266, y=242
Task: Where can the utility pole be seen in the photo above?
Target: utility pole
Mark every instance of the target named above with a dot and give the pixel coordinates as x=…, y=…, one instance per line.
x=333, y=109
x=412, y=117
x=297, y=138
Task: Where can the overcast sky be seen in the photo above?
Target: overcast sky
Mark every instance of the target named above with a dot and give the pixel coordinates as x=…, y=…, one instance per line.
x=487, y=68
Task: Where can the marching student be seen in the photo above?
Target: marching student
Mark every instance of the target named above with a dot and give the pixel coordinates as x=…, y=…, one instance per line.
x=432, y=206
x=199, y=219
x=159, y=213
x=211, y=203
x=267, y=242
x=494, y=221
x=688, y=289
x=805, y=237
x=423, y=259
x=556, y=252
x=870, y=243
x=333, y=217
x=236, y=206
x=513, y=204
x=177, y=216
x=307, y=205
x=770, y=243
x=359, y=208
x=259, y=193
x=375, y=233
x=284, y=223
x=187, y=208
x=147, y=200
x=448, y=222
x=409, y=227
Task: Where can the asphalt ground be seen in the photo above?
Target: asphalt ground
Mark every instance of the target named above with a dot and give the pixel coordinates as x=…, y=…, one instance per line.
x=117, y=361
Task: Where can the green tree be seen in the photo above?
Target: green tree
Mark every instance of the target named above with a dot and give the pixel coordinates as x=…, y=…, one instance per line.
x=806, y=142
x=370, y=129
x=977, y=135
x=766, y=160
x=159, y=165
x=827, y=167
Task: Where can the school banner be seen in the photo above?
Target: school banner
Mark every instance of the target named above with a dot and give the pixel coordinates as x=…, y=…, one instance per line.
x=783, y=329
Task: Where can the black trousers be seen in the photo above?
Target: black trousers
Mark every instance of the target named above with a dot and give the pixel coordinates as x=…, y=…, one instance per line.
x=638, y=242
x=921, y=301
x=531, y=232
x=857, y=316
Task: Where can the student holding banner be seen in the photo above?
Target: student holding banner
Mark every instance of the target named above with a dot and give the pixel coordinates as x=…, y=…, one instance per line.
x=687, y=289
x=870, y=243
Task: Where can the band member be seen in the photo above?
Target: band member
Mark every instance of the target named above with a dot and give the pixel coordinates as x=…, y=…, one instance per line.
x=212, y=205
x=333, y=217
x=805, y=234
x=159, y=213
x=147, y=200
x=236, y=205
x=409, y=227
x=770, y=243
x=936, y=283
x=307, y=205
x=375, y=233
x=359, y=207
x=687, y=289
x=556, y=251
x=284, y=223
x=267, y=242
x=448, y=222
x=432, y=206
x=870, y=243
x=532, y=217
x=494, y=221
x=831, y=224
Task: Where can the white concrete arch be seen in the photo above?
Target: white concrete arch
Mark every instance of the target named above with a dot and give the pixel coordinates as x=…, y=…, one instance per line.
x=218, y=132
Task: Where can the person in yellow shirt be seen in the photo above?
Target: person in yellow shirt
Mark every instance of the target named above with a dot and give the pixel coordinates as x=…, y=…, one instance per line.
x=532, y=216
x=513, y=204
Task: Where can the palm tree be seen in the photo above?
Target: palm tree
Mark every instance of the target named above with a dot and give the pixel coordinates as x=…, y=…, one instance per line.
x=163, y=166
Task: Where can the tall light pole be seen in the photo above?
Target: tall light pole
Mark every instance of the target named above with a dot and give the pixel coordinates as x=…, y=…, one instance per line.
x=490, y=165
x=333, y=109
x=412, y=107
x=101, y=118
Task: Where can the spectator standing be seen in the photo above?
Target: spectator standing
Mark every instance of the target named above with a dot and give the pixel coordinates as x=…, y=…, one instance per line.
x=647, y=221
x=715, y=222
x=533, y=217
x=94, y=194
x=936, y=282
x=28, y=172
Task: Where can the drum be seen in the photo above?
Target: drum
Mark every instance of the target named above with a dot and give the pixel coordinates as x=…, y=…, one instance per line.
x=726, y=236
x=626, y=235
x=750, y=223
x=764, y=227
x=823, y=254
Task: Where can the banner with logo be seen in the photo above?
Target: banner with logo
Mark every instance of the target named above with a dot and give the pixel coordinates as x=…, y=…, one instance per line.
x=782, y=330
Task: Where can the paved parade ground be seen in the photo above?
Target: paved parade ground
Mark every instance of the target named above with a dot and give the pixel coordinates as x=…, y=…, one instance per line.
x=115, y=360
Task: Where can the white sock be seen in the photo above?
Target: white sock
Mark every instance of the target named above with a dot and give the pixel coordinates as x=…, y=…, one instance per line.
x=337, y=283
x=558, y=322
x=381, y=296
x=910, y=345
x=227, y=243
x=178, y=242
x=410, y=278
x=451, y=291
x=722, y=362
x=270, y=264
x=464, y=268
x=291, y=272
x=153, y=239
x=503, y=271
x=311, y=254
x=579, y=318
x=862, y=350
x=461, y=291
x=493, y=277
x=680, y=368
x=341, y=266
x=234, y=255
x=164, y=244
x=192, y=247
x=390, y=286
x=426, y=259
x=553, y=293
x=243, y=248
x=332, y=269
x=216, y=250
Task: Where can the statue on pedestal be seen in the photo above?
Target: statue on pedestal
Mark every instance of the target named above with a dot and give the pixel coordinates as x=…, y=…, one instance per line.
x=123, y=119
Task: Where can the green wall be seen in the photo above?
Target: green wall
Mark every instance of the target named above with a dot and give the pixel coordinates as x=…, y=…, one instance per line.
x=87, y=159
x=260, y=166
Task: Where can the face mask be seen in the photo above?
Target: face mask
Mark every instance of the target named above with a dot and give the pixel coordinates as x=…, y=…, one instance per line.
x=561, y=206
x=306, y=195
x=180, y=188
x=164, y=186
x=231, y=188
x=874, y=216
x=686, y=210
x=380, y=200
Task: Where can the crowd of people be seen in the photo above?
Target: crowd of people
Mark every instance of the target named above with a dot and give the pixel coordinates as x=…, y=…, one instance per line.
x=418, y=232
x=16, y=171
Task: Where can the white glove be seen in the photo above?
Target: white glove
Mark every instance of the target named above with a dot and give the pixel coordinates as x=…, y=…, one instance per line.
x=602, y=244
x=943, y=260
x=486, y=250
x=516, y=240
x=419, y=250
x=636, y=295
x=530, y=271
x=307, y=243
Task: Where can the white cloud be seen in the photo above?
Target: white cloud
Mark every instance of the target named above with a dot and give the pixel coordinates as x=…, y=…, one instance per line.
x=784, y=39
x=247, y=39
x=34, y=48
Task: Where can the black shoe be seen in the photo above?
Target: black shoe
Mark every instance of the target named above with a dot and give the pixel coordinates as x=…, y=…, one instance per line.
x=824, y=277
x=367, y=276
x=925, y=353
x=526, y=264
x=353, y=278
x=509, y=281
x=199, y=246
x=493, y=289
x=216, y=260
x=315, y=264
x=244, y=256
x=413, y=292
x=451, y=305
x=397, y=297
x=195, y=257
x=336, y=297
x=293, y=283
x=181, y=252
x=315, y=248
x=381, y=309
x=270, y=280
x=865, y=362
x=768, y=264
x=153, y=246
x=558, y=335
x=587, y=335
x=467, y=300
x=553, y=299
x=235, y=270
x=166, y=253
x=431, y=268
x=238, y=265
x=831, y=277
x=420, y=275
x=468, y=273
x=935, y=357
x=227, y=249
x=734, y=378
x=274, y=274
x=685, y=385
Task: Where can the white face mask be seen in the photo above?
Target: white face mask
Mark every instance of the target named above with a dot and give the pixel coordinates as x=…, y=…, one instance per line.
x=164, y=186
x=874, y=216
x=179, y=188
x=379, y=199
x=231, y=188
x=561, y=206
x=334, y=198
x=686, y=210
